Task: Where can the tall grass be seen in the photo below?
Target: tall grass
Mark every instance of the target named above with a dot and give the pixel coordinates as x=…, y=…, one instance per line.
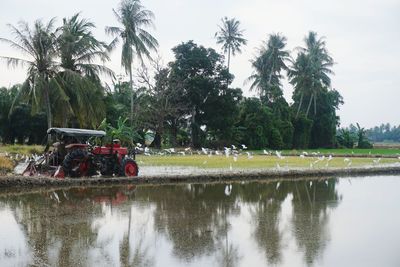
x=6, y=165
x=22, y=149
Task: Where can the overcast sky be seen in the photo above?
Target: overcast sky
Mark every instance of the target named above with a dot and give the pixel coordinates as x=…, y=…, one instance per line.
x=363, y=37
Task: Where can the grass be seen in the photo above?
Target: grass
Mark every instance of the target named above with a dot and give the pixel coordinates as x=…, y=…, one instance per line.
x=258, y=161
x=21, y=149
x=348, y=151
x=6, y=165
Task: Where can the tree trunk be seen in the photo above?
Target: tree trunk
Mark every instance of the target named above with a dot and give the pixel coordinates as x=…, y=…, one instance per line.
x=48, y=106
x=315, y=104
x=157, y=140
x=131, y=85
x=301, y=102
x=309, y=104
x=229, y=57
x=194, y=131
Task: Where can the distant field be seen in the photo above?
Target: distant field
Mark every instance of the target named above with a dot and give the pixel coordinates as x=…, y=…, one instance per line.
x=258, y=161
x=387, y=145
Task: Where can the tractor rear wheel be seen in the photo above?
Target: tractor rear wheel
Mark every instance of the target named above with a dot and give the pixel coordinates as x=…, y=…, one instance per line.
x=75, y=163
x=129, y=168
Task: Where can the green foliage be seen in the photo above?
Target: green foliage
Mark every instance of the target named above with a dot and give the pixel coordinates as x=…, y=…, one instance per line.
x=286, y=131
x=309, y=73
x=78, y=49
x=198, y=73
x=325, y=122
x=384, y=133
x=39, y=44
x=362, y=139
x=136, y=40
x=19, y=124
x=302, y=132
x=260, y=130
x=267, y=66
x=188, y=102
x=126, y=134
x=69, y=91
x=230, y=37
x=346, y=138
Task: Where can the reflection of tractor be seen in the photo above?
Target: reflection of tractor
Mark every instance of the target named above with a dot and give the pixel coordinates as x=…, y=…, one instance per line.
x=73, y=155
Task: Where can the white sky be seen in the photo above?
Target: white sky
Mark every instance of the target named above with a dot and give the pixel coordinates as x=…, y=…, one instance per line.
x=363, y=37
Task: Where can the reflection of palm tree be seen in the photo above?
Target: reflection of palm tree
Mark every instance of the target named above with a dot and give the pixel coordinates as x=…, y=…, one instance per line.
x=311, y=201
x=192, y=218
x=229, y=256
x=140, y=256
x=267, y=217
x=50, y=225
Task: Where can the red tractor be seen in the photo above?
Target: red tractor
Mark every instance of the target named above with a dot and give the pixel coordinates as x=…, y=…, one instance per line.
x=74, y=155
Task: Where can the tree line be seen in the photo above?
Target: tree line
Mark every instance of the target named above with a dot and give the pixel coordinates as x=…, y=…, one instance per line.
x=384, y=133
x=187, y=102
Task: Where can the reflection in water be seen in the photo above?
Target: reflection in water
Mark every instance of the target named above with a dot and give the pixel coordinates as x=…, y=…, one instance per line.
x=200, y=225
x=311, y=203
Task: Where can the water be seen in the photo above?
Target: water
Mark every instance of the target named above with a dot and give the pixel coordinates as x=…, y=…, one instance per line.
x=335, y=222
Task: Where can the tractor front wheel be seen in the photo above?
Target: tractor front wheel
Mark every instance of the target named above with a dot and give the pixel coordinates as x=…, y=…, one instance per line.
x=129, y=168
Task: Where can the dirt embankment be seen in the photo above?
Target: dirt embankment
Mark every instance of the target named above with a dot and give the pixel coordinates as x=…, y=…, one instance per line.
x=197, y=177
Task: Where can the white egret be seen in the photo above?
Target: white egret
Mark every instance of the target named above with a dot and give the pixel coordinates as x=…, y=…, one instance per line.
x=249, y=155
x=235, y=157
x=228, y=190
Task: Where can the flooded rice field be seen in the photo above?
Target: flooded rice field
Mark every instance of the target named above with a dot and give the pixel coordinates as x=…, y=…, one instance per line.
x=332, y=222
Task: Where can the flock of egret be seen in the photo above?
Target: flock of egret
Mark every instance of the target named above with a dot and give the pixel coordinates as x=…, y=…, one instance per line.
x=311, y=158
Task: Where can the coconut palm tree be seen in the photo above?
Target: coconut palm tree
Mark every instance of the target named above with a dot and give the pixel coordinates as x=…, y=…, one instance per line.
x=79, y=52
x=39, y=45
x=136, y=41
x=231, y=37
x=268, y=66
x=310, y=71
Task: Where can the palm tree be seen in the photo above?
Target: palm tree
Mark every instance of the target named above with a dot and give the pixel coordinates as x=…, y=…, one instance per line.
x=268, y=66
x=39, y=45
x=310, y=71
x=230, y=36
x=79, y=50
x=136, y=41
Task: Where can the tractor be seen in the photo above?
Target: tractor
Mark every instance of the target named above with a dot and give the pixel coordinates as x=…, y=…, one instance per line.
x=76, y=153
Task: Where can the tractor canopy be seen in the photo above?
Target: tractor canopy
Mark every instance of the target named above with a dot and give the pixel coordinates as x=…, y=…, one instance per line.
x=78, y=133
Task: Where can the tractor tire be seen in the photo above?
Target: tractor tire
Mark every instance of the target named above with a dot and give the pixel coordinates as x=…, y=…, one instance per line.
x=129, y=168
x=73, y=163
